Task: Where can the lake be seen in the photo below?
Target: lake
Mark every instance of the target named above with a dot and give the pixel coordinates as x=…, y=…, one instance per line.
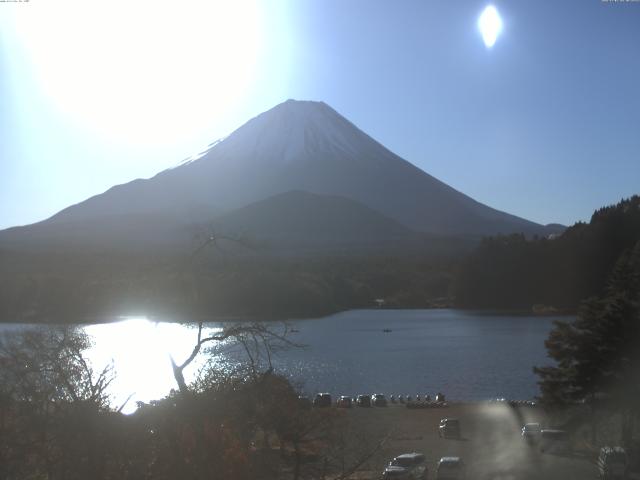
x=466, y=355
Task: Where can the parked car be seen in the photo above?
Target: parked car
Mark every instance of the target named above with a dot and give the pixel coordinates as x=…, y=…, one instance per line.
x=397, y=473
x=322, y=400
x=450, y=468
x=531, y=432
x=304, y=401
x=378, y=400
x=413, y=464
x=440, y=397
x=364, y=400
x=612, y=463
x=344, y=402
x=449, y=428
x=554, y=441
x=408, y=459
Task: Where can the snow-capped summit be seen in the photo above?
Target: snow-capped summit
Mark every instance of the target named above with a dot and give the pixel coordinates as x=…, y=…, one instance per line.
x=292, y=131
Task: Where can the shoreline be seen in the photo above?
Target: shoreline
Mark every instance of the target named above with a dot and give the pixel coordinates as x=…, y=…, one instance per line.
x=194, y=320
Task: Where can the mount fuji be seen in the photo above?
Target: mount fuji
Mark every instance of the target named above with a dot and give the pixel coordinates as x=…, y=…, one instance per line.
x=301, y=160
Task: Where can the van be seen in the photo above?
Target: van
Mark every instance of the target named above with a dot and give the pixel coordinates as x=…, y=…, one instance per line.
x=612, y=463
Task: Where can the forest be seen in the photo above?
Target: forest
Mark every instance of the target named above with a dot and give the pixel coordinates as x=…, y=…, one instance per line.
x=73, y=287
x=510, y=272
x=513, y=272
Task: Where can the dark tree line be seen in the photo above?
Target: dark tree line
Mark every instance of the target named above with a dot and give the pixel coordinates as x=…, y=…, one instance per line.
x=515, y=272
x=67, y=287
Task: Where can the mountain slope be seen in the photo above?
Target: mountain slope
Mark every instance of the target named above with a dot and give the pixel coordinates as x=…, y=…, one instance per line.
x=294, y=146
x=300, y=219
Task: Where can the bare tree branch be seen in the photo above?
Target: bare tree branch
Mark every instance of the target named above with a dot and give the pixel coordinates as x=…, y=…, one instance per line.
x=259, y=332
x=362, y=460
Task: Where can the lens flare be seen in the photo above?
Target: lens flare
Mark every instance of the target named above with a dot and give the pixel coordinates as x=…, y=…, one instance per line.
x=490, y=25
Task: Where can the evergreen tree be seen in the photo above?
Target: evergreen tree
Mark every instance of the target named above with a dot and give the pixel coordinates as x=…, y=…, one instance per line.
x=597, y=355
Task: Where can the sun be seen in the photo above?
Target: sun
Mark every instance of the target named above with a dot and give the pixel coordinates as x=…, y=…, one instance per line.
x=490, y=25
x=142, y=71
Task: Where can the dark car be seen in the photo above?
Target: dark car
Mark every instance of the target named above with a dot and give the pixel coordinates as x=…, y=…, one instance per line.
x=364, y=400
x=531, y=433
x=344, y=402
x=450, y=468
x=612, y=463
x=322, y=400
x=408, y=465
x=379, y=400
x=449, y=428
x=397, y=473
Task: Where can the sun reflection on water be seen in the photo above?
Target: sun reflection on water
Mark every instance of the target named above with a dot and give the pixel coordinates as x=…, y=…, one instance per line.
x=140, y=351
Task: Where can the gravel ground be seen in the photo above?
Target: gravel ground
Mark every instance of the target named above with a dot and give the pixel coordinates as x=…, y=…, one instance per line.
x=490, y=444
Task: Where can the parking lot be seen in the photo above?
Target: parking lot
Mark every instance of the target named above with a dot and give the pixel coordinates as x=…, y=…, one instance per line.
x=490, y=442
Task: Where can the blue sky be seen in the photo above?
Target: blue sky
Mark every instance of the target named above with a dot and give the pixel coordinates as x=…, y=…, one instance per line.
x=544, y=125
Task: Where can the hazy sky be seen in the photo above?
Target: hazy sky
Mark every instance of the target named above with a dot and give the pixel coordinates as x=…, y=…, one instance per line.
x=544, y=125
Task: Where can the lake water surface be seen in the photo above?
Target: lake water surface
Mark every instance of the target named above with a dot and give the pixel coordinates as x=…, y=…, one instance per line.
x=466, y=355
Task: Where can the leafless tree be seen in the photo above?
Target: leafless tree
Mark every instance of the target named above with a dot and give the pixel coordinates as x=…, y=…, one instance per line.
x=254, y=338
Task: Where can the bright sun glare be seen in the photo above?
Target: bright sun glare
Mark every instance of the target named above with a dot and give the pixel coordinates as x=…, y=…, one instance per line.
x=142, y=71
x=490, y=25
x=139, y=350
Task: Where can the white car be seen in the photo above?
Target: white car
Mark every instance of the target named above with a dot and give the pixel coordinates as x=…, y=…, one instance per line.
x=397, y=473
x=450, y=468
